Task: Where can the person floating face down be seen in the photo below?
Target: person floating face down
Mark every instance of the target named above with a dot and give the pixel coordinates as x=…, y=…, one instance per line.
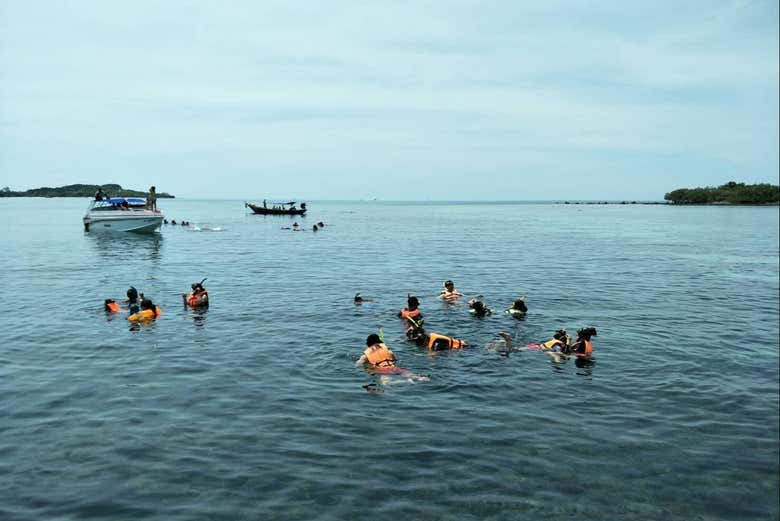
x=582, y=346
x=198, y=297
x=433, y=341
x=378, y=356
x=449, y=292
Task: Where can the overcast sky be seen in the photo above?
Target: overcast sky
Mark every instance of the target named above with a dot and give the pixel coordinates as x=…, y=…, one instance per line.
x=394, y=100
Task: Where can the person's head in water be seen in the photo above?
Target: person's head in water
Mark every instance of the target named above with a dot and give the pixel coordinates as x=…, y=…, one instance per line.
x=519, y=304
x=132, y=294
x=358, y=298
x=373, y=339
x=586, y=333
x=449, y=285
x=412, y=303
x=197, y=287
x=479, y=307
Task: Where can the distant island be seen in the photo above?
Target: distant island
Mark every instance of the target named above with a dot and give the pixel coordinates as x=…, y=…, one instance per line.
x=730, y=193
x=111, y=190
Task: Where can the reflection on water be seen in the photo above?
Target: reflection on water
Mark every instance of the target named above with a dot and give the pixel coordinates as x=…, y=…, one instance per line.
x=114, y=247
x=199, y=315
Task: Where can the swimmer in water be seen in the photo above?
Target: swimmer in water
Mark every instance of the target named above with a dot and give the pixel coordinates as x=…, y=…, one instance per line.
x=449, y=293
x=198, y=297
x=518, y=308
x=434, y=341
x=411, y=314
x=582, y=346
x=479, y=309
x=380, y=361
x=360, y=300
x=133, y=303
x=111, y=305
x=149, y=311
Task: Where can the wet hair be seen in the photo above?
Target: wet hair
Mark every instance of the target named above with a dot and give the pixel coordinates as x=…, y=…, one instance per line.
x=358, y=298
x=448, y=283
x=478, y=307
x=148, y=304
x=412, y=302
x=372, y=339
x=560, y=334
x=587, y=332
x=132, y=294
x=520, y=304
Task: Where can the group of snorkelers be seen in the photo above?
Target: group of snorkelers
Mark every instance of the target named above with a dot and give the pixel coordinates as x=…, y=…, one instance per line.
x=380, y=359
x=173, y=221
x=298, y=228
x=142, y=309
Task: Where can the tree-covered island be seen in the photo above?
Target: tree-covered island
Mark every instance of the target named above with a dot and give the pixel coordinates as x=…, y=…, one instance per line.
x=730, y=193
x=112, y=190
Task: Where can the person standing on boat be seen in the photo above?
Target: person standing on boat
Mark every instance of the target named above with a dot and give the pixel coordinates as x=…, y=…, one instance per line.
x=151, y=200
x=264, y=205
x=100, y=195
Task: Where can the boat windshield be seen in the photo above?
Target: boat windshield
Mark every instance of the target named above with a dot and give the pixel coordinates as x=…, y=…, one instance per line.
x=119, y=203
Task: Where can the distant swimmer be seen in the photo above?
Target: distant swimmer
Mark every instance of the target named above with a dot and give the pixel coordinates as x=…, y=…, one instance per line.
x=148, y=312
x=434, y=341
x=449, y=293
x=359, y=299
x=479, y=309
x=518, y=308
x=198, y=297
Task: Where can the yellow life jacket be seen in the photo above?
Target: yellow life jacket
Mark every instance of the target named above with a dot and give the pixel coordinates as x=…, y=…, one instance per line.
x=146, y=314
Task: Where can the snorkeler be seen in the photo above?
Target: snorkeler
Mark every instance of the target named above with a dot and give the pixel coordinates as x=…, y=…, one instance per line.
x=449, y=292
x=478, y=308
x=411, y=310
x=378, y=356
x=582, y=346
x=360, y=299
x=110, y=305
x=198, y=297
x=133, y=303
x=518, y=308
x=148, y=312
x=433, y=341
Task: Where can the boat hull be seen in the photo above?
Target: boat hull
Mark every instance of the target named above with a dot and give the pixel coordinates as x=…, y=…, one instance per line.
x=118, y=223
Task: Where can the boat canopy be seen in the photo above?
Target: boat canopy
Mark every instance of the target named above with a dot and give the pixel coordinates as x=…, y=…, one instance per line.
x=130, y=200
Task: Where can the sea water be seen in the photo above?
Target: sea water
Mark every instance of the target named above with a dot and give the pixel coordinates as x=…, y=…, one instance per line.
x=254, y=408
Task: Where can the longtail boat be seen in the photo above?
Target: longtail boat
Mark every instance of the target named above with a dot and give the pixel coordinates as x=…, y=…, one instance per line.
x=277, y=208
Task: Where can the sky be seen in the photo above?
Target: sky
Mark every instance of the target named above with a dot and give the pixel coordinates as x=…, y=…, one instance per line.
x=456, y=100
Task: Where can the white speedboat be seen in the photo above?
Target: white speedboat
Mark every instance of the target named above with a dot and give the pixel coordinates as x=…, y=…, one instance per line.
x=122, y=214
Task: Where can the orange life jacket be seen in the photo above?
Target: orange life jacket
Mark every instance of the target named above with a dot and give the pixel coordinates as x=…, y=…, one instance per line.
x=405, y=313
x=439, y=342
x=585, y=348
x=113, y=306
x=450, y=295
x=195, y=298
x=146, y=314
x=379, y=355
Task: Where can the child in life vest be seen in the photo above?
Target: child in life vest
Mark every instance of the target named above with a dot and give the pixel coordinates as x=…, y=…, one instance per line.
x=198, y=297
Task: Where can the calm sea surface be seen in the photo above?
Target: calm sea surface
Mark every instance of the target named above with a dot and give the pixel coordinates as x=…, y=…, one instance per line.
x=255, y=409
